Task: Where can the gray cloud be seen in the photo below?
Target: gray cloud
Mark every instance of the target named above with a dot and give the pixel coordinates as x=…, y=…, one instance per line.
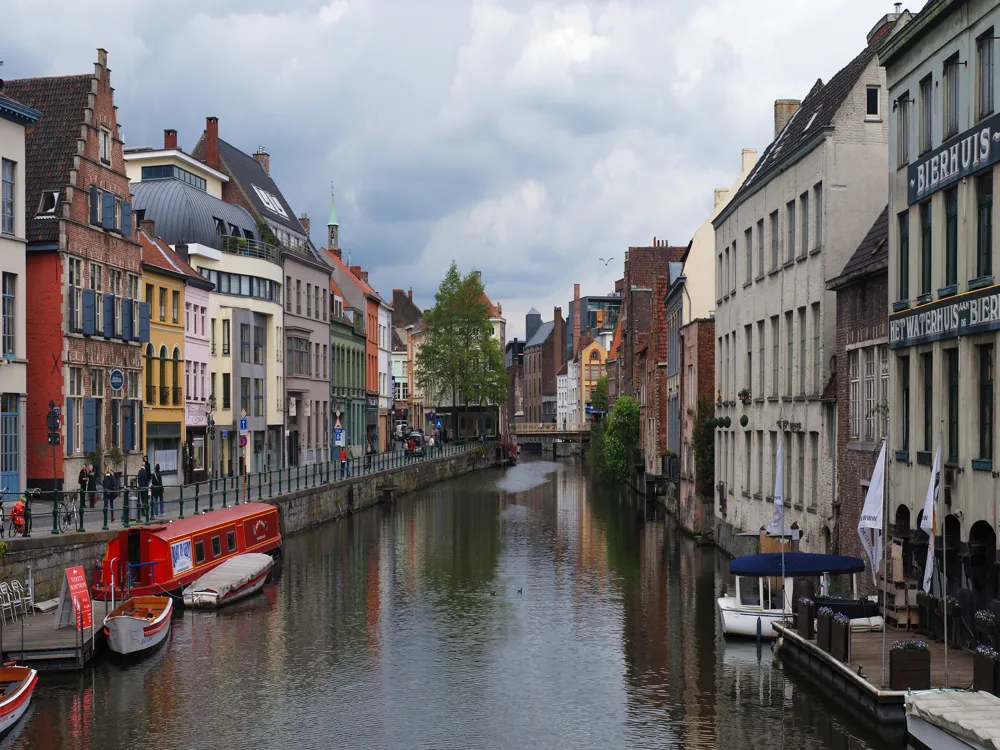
x=524, y=138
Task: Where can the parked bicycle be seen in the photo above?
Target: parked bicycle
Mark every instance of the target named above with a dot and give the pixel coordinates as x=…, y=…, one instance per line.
x=67, y=513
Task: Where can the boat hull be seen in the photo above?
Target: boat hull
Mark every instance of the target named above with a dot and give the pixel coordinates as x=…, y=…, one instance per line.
x=230, y=582
x=129, y=635
x=15, y=706
x=923, y=735
x=742, y=623
x=211, y=600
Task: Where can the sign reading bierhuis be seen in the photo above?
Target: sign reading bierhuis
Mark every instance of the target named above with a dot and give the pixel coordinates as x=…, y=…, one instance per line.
x=965, y=154
x=975, y=312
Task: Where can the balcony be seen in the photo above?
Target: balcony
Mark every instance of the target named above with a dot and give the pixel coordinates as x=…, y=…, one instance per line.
x=164, y=395
x=178, y=395
x=151, y=395
x=250, y=248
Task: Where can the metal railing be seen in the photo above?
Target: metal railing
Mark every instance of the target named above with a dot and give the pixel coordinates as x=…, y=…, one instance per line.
x=164, y=395
x=178, y=396
x=101, y=509
x=250, y=248
x=150, y=394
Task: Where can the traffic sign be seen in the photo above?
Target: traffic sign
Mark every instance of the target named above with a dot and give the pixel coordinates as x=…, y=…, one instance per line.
x=54, y=438
x=337, y=425
x=439, y=424
x=117, y=380
x=243, y=412
x=225, y=434
x=243, y=424
x=338, y=435
x=243, y=441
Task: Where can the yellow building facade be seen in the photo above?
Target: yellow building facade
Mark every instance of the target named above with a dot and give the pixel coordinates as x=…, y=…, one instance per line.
x=163, y=360
x=593, y=366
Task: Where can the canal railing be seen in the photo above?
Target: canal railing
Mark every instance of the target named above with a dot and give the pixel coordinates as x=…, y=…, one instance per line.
x=70, y=511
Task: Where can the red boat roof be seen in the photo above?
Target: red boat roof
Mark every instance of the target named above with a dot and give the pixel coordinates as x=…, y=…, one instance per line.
x=218, y=517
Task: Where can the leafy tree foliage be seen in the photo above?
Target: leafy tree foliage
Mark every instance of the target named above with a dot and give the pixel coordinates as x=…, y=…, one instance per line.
x=703, y=442
x=621, y=438
x=599, y=394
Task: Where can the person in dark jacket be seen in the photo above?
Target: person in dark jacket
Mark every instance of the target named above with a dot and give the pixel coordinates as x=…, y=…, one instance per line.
x=92, y=484
x=143, y=481
x=84, y=480
x=156, y=483
x=110, y=489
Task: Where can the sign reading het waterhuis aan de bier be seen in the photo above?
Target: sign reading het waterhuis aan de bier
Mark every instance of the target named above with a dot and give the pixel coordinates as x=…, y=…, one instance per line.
x=959, y=157
x=975, y=312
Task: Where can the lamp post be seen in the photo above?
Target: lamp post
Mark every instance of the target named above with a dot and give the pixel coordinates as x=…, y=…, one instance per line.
x=211, y=433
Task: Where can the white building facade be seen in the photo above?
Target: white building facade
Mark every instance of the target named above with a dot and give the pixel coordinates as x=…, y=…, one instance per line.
x=944, y=144
x=797, y=218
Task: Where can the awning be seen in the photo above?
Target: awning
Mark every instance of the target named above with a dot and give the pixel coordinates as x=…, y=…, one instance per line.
x=796, y=564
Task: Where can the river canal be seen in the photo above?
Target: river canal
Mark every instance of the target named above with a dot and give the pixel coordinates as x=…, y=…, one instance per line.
x=526, y=607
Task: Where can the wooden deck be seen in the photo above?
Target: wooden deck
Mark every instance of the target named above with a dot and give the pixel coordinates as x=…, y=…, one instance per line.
x=46, y=649
x=866, y=650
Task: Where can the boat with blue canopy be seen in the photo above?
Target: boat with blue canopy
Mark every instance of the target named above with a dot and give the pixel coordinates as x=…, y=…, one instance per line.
x=757, y=601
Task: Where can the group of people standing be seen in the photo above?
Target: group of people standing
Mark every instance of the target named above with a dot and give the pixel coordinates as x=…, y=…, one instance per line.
x=148, y=481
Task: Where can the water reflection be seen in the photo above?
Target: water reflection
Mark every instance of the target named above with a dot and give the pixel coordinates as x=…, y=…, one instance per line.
x=526, y=607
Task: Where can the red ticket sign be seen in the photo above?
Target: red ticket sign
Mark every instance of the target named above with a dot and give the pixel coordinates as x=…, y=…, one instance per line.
x=79, y=596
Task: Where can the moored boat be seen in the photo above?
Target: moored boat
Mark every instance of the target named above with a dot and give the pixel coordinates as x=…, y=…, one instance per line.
x=235, y=579
x=757, y=603
x=17, y=684
x=952, y=720
x=161, y=559
x=138, y=624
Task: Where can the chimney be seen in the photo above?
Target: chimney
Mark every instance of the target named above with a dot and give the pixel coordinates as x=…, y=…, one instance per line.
x=409, y=293
x=147, y=226
x=304, y=221
x=182, y=250
x=783, y=111
x=212, y=142
x=877, y=34
x=263, y=158
x=749, y=159
x=169, y=139
x=558, y=338
x=576, y=320
x=364, y=276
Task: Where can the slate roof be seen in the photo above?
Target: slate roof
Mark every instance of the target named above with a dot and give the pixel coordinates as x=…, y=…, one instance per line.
x=158, y=254
x=533, y=311
x=404, y=311
x=185, y=214
x=543, y=332
x=872, y=254
x=50, y=143
x=247, y=172
x=816, y=112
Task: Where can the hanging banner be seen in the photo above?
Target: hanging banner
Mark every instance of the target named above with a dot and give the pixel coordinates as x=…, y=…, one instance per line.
x=870, y=523
x=777, y=525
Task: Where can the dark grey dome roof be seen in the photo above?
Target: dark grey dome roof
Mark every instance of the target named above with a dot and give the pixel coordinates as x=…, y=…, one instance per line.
x=184, y=214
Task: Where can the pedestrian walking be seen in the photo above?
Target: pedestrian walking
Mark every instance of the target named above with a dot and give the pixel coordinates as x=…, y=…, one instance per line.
x=110, y=489
x=156, y=483
x=430, y=446
x=142, y=479
x=343, y=462
x=92, y=484
x=84, y=481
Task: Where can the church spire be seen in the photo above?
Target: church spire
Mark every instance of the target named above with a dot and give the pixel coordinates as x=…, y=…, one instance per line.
x=333, y=226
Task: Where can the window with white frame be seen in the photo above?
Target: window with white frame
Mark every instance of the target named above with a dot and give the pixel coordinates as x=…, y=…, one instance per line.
x=984, y=73
x=9, y=315
x=949, y=99
x=105, y=146
x=855, y=380
x=8, y=172
x=869, y=405
x=872, y=97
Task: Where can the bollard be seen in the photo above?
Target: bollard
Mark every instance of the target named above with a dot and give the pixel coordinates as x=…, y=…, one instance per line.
x=182, y=502
x=125, y=498
x=27, y=516
x=211, y=500
x=197, y=489
x=55, y=512
x=270, y=486
x=260, y=487
x=149, y=506
x=225, y=504
x=758, y=630
x=79, y=510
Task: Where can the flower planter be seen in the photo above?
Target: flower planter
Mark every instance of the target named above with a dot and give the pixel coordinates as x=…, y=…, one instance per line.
x=840, y=641
x=984, y=674
x=805, y=624
x=823, y=632
x=909, y=669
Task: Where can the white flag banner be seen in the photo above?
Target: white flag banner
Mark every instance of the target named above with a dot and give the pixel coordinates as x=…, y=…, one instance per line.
x=870, y=523
x=777, y=525
x=928, y=521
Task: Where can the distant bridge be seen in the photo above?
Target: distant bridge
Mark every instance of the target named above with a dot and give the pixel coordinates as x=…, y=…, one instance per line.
x=548, y=434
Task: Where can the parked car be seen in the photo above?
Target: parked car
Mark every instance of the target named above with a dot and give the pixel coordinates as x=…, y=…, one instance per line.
x=418, y=442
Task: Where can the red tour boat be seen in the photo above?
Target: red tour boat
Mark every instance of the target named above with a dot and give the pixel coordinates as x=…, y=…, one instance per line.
x=159, y=559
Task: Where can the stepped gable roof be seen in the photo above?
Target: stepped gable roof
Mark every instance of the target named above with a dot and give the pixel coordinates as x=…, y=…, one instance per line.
x=816, y=113
x=871, y=256
x=51, y=143
x=248, y=173
x=158, y=254
x=543, y=332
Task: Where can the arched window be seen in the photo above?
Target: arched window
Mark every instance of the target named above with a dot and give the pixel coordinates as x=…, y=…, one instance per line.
x=150, y=385
x=177, y=376
x=163, y=377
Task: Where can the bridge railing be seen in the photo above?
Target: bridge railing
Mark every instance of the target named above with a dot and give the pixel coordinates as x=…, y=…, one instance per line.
x=541, y=428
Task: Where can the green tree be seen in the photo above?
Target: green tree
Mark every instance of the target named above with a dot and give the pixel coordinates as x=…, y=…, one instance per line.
x=703, y=442
x=599, y=394
x=621, y=438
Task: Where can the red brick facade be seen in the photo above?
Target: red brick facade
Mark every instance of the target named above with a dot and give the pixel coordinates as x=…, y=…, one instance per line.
x=695, y=511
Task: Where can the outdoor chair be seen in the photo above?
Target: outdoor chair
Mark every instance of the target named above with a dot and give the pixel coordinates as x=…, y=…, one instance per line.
x=26, y=599
x=6, y=603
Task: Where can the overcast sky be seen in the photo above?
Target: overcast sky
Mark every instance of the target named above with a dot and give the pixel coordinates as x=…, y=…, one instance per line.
x=527, y=139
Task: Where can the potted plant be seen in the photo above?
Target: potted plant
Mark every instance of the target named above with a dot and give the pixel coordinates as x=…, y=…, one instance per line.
x=984, y=669
x=909, y=665
x=840, y=637
x=804, y=623
x=824, y=619
x=986, y=626
x=744, y=395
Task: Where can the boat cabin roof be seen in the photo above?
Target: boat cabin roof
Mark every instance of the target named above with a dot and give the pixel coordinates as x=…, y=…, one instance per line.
x=214, y=519
x=796, y=564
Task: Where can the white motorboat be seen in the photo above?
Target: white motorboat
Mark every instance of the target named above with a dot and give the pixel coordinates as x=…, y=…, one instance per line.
x=17, y=685
x=138, y=624
x=235, y=579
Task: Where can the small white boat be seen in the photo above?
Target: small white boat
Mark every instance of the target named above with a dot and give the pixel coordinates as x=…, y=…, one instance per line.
x=235, y=579
x=952, y=720
x=17, y=684
x=138, y=624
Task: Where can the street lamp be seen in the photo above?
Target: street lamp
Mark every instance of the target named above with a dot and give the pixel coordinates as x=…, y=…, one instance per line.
x=211, y=432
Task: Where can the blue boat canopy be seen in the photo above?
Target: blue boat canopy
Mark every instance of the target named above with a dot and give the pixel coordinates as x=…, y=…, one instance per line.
x=797, y=564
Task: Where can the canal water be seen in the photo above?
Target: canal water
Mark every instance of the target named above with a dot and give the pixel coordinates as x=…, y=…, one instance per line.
x=524, y=607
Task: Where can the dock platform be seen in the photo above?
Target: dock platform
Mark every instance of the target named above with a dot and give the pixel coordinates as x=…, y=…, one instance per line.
x=46, y=649
x=858, y=685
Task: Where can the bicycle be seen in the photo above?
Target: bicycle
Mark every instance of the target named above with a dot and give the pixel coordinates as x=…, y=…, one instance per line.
x=16, y=522
x=67, y=514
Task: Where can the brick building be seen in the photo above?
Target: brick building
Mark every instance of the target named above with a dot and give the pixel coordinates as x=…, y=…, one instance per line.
x=696, y=501
x=83, y=265
x=514, y=361
x=862, y=354
x=544, y=355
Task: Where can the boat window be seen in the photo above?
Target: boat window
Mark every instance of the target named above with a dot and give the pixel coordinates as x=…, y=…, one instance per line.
x=231, y=540
x=216, y=546
x=199, y=552
x=749, y=591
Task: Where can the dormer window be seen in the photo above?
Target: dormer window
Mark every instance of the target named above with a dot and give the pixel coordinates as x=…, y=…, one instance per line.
x=220, y=226
x=48, y=202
